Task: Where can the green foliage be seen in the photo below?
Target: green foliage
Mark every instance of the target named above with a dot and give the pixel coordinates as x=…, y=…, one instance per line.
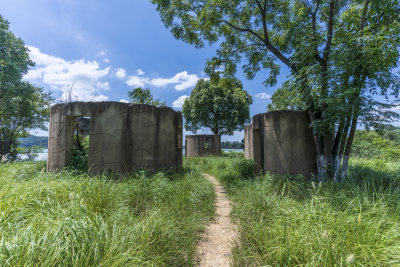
x=296, y=222
x=14, y=59
x=80, y=158
x=144, y=96
x=22, y=105
x=31, y=152
x=220, y=104
x=287, y=97
x=370, y=144
x=341, y=53
x=66, y=219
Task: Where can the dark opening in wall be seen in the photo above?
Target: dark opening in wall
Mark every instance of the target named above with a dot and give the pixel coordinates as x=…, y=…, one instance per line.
x=80, y=159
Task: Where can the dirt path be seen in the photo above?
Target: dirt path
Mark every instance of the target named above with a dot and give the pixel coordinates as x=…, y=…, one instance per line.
x=217, y=241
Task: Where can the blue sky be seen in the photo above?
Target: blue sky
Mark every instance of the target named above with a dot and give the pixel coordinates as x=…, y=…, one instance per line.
x=106, y=48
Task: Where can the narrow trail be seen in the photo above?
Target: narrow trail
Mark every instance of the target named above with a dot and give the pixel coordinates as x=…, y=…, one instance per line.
x=218, y=239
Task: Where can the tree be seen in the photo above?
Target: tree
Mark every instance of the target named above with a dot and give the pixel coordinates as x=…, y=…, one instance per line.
x=339, y=52
x=287, y=97
x=27, y=108
x=220, y=104
x=22, y=105
x=14, y=60
x=144, y=96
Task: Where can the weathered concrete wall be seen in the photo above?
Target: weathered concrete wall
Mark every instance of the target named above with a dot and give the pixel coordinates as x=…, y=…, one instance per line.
x=281, y=142
x=202, y=145
x=83, y=126
x=248, y=141
x=123, y=137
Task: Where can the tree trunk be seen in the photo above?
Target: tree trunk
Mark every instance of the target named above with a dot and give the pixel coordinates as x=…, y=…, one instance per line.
x=318, y=146
x=349, y=143
x=336, y=160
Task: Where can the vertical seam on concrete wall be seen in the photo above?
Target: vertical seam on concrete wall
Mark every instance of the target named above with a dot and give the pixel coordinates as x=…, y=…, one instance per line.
x=126, y=136
x=157, y=144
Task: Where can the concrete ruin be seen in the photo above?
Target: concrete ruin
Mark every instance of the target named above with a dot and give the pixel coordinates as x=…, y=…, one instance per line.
x=202, y=145
x=281, y=142
x=122, y=137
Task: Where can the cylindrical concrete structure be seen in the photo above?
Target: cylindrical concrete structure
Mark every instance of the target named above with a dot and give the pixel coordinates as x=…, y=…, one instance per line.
x=202, y=145
x=281, y=142
x=122, y=137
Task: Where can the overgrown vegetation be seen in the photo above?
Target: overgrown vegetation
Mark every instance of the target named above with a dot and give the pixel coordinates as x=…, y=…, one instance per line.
x=371, y=144
x=70, y=219
x=80, y=158
x=294, y=222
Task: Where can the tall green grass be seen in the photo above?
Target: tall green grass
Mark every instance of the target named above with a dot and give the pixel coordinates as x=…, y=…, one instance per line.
x=296, y=222
x=69, y=219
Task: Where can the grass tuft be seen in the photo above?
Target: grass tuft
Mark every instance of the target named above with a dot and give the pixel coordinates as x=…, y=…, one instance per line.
x=71, y=219
x=294, y=222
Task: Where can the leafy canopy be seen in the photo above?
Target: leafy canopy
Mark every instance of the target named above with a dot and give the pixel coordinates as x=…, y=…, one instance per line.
x=340, y=53
x=287, y=97
x=144, y=96
x=220, y=104
x=23, y=106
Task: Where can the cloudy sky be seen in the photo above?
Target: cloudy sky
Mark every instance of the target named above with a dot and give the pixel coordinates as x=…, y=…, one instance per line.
x=103, y=49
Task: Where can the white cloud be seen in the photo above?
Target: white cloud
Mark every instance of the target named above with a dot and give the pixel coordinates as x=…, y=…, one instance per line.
x=100, y=53
x=181, y=80
x=140, y=72
x=178, y=103
x=123, y=101
x=106, y=60
x=60, y=74
x=103, y=85
x=136, y=81
x=263, y=95
x=121, y=73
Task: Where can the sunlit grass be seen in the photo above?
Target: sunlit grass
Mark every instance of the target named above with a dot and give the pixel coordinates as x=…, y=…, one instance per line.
x=69, y=219
x=296, y=222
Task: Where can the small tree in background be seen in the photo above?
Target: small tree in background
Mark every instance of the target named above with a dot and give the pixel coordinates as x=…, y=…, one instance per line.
x=30, y=152
x=220, y=104
x=26, y=108
x=144, y=96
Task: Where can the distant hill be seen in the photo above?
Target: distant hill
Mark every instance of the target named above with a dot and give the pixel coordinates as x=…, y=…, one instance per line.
x=34, y=140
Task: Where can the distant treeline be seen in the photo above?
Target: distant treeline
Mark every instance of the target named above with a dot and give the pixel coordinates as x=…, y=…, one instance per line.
x=34, y=140
x=232, y=145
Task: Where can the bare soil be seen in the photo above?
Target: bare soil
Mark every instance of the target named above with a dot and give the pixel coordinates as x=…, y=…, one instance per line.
x=219, y=237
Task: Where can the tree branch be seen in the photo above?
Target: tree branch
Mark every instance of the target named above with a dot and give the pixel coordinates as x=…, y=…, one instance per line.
x=364, y=16
x=330, y=30
x=267, y=42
